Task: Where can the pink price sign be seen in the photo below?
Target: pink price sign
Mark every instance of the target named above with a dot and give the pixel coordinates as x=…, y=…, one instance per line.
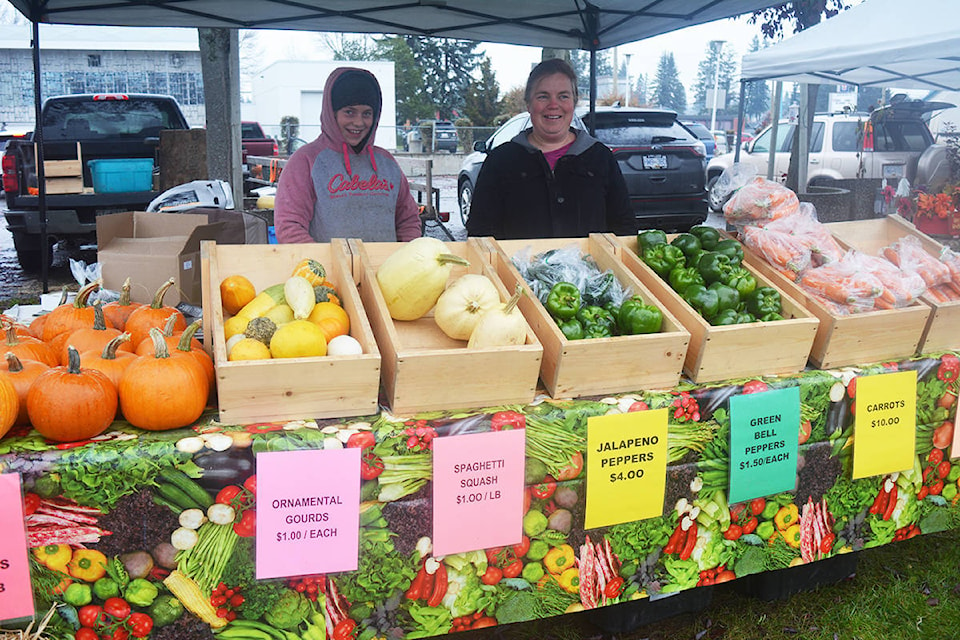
x=16, y=593
x=478, y=491
x=308, y=512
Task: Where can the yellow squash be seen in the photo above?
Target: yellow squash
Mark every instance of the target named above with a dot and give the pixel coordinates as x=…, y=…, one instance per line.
x=412, y=278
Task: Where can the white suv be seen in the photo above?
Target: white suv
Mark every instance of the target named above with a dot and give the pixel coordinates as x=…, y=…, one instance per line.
x=883, y=144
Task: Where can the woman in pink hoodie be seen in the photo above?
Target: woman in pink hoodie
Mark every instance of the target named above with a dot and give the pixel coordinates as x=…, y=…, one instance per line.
x=341, y=185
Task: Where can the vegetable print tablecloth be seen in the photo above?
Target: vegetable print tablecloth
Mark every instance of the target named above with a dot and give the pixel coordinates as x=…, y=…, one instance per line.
x=153, y=534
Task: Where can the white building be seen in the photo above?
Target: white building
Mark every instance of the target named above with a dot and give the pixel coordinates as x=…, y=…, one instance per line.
x=81, y=59
x=295, y=88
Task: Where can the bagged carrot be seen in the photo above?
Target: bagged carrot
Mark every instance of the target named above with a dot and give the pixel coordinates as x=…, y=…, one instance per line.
x=804, y=225
x=846, y=281
x=759, y=201
x=908, y=254
x=785, y=252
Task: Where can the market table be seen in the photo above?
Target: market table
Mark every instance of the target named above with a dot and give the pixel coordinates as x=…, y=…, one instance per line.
x=130, y=493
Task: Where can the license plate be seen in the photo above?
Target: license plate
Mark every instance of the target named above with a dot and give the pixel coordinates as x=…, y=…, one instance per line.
x=655, y=162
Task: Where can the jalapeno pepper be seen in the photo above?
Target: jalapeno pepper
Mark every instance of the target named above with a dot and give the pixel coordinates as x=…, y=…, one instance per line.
x=663, y=258
x=637, y=317
x=708, y=236
x=763, y=300
x=563, y=301
x=688, y=243
x=683, y=277
x=650, y=238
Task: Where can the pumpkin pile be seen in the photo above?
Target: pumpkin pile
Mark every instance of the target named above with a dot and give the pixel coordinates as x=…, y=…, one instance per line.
x=299, y=318
x=75, y=370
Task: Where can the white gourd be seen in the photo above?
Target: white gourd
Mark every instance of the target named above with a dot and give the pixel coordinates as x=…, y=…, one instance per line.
x=500, y=327
x=299, y=296
x=459, y=307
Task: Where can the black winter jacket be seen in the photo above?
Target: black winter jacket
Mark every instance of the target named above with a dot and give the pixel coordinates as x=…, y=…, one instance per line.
x=517, y=196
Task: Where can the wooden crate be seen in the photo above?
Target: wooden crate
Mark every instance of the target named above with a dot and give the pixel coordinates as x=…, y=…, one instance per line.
x=423, y=369
x=733, y=351
x=294, y=388
x=858, y=338
x=869, y=236
x=573, y=368
x=64, y=176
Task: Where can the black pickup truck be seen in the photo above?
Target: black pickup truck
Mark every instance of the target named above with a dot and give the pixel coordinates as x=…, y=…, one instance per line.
x=106, y=126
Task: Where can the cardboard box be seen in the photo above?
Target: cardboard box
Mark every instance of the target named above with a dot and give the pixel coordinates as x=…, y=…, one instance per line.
x=150, y=248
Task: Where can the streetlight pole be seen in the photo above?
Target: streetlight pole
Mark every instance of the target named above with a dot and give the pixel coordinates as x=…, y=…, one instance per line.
x=716, y=45
x=627, y=56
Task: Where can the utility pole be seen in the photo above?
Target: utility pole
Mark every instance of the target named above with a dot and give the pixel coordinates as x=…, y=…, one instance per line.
x=629, y=87
x=717, y=46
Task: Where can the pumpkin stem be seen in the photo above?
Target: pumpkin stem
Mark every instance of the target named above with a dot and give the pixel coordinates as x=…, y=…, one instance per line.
x=512, y=302
x=110, y=349
x=187, y=336
x=162, y=291
x=13, y=363
x=124, y=300
x=99, y=323
x=452, y=258
x=12, y=340
x=168, y=327
x=159, y=344
x=81, y=300
x=73, y=360
x=64, y=294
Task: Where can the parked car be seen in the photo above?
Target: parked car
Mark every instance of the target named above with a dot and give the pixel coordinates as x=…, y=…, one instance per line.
x=720, y=139
x=703, y=135
x=884, y=144
x=445, y=136
x=662, y=162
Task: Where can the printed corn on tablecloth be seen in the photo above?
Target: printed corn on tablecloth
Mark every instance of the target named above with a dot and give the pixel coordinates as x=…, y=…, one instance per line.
x=155, y=533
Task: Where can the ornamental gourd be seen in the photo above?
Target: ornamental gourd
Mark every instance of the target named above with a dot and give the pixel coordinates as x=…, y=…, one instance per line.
x=459, y=307
x=412, y=278
x=9, y=405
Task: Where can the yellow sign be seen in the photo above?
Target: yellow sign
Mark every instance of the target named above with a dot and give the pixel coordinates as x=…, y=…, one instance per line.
x=886, y=423
x=627, y=467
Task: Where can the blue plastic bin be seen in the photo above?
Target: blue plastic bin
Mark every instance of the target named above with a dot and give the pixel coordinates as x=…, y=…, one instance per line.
x=271, y=235
x=119, y=175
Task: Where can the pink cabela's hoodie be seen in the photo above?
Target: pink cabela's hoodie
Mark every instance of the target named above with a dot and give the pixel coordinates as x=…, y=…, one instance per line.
x=328, y=190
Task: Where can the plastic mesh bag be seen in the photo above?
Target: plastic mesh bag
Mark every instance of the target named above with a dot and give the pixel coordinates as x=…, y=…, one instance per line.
x=849, y=283
x=568, y=264
x=760, y=201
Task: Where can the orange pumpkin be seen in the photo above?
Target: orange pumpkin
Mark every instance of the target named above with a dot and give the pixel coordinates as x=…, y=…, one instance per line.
x=68, y=403
x=118, y=311
x=171, y=337
x=110, y=360
x=152, y=316
x=22, y=375
x=71, y=316
x=93, y=338
x=28, y=348
x=331, y=318
x=192, y=347
x=166, y=391
x=9, y=405
x=36, y=327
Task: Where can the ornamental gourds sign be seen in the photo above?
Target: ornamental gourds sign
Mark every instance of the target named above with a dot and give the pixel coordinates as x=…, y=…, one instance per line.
x=884, y=436
x=16, y=593
x=308, y=512
x=627, y=459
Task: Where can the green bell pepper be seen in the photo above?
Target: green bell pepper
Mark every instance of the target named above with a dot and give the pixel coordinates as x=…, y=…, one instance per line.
x=725, y=317
x=165, y=610
x=714, y=267
x=662, y=258
x=689, y=244
x=682, y=277
x=613, y=308
x=732, y=249
x=78, y=594
x=728, y=296
x=650, y=238
x=708, y=236
x=742, y=280
x=563, y=301
x=597, y=322
x=636, y=317
x=571, y=328
x=106, y=588
x=770, y=317
x=744, y=317
x=705, y=301
x=141, y=592
x=762, y=301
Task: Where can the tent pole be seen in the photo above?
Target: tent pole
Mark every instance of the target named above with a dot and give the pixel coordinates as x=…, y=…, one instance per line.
x=736, y=150
x=804, y=127
x=593, y=89
x=38, y=139
x=774, y=126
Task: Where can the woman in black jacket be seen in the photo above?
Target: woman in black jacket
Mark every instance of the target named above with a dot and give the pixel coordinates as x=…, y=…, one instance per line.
x=551, y=180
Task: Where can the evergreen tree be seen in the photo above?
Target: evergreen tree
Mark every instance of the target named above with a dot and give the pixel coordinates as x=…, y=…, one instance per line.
x=412, y=101
x=446, y=66
x=580, y=61
x=346, y=46
x=756, y=99
x=668, y=91
x=707, y=73
x=511, y=105
x=481, y=103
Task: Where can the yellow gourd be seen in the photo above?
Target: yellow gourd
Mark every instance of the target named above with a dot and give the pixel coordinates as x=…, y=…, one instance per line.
x=501, y=326
x=248, y=349
x=412, y=278
x=459, y=307
x=265, y=300
x=298, y=339
x=280, y=314
x=298, y=293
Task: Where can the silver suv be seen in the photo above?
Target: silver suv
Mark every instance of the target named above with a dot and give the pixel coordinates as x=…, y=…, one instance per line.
x=884, y=144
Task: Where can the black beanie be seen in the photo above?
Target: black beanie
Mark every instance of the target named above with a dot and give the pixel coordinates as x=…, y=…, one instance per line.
x=355, y=87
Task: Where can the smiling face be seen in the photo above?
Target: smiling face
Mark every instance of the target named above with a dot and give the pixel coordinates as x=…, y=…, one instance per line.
x=355, y=122
x=551, y=106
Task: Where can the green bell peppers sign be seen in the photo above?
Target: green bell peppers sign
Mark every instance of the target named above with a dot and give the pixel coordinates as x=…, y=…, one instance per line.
x=764, y=431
